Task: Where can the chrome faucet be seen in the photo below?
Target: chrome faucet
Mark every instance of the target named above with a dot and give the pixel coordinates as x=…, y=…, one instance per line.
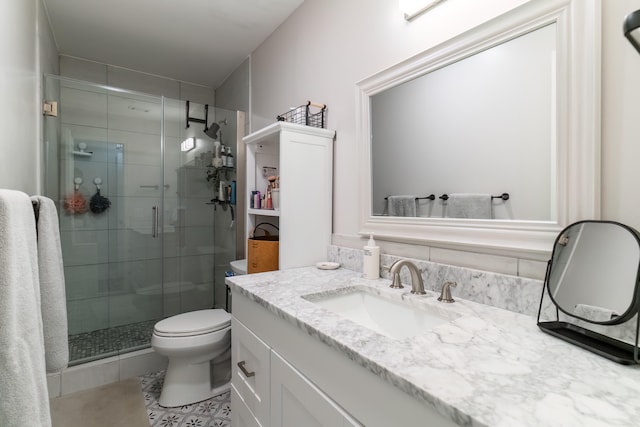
x=417, y=285
x=445, y=295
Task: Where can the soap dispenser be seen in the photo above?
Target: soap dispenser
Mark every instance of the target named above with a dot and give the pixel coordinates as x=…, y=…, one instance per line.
x=371, y=260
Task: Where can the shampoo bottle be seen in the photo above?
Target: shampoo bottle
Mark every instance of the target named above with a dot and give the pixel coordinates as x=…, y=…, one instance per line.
x=371, y=261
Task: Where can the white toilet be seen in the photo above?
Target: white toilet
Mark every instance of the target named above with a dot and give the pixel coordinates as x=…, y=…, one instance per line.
x=198, y=345
x=239, y=267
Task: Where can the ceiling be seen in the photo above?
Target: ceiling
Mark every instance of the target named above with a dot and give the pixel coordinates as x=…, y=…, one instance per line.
x=197, y=41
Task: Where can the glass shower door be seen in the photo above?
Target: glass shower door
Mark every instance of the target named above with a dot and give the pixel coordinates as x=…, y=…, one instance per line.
x=202, y=241
x=104, y=167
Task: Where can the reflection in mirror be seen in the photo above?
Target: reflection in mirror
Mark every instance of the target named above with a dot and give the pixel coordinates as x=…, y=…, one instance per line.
x=482, y=125
x=594, y=271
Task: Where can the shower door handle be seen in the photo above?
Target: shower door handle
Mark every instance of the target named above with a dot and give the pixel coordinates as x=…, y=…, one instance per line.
x=154, y=222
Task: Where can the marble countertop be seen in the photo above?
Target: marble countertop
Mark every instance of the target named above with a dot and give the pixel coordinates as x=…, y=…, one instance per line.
x=484, y=367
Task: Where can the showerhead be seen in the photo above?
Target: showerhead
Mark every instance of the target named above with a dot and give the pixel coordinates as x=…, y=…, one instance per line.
x=212, y=131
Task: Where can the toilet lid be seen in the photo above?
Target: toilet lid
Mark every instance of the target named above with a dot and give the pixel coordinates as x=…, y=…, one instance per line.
x=193, y=323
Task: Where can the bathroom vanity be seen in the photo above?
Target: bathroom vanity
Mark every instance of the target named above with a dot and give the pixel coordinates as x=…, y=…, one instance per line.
x=297, y=356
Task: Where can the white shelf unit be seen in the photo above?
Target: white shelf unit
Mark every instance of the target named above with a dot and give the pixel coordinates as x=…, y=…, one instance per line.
x=303, y=156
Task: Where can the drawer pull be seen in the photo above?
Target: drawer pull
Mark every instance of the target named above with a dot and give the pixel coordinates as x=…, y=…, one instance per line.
x=244, y=370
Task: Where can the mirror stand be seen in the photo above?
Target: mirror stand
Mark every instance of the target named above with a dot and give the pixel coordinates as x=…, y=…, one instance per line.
x=611, y=348
x=603, y=345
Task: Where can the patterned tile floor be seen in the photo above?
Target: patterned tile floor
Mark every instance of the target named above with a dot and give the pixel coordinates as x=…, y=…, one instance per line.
x=102, y=343
x=215, y=412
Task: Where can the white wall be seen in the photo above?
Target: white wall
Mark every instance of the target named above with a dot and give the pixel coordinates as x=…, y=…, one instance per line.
x=620, y=117
x=27, y=50
x=319, y=54
x=327, y=46
x=235, y=92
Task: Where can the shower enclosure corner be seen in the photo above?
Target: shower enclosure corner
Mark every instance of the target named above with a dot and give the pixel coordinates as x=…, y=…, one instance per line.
x=141, y=238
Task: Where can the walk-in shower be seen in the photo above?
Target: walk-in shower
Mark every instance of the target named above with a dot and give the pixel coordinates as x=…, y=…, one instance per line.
x=155, y=245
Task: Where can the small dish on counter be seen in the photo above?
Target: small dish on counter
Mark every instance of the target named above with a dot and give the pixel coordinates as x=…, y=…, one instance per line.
x=327, y=265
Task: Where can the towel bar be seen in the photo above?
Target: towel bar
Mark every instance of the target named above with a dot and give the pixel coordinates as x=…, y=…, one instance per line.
x=429, y=197
x=503, y=196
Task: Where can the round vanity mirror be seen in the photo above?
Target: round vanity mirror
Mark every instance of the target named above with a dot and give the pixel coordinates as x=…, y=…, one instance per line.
x=593, y=273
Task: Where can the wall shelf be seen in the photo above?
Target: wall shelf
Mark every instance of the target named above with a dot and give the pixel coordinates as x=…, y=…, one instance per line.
x=264, y=212
x=303, y=158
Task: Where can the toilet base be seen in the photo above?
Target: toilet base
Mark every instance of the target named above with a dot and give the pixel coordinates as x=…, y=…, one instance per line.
x=187, y=383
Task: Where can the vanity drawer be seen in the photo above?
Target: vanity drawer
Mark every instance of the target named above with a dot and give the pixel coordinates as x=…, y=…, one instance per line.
x=250, y=366
x=241, y=416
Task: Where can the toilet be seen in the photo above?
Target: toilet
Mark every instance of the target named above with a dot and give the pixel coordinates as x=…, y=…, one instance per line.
x=198, y=345
x=239, y=266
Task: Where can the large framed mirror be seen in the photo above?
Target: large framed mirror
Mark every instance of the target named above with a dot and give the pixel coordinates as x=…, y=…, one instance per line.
x=510, y=107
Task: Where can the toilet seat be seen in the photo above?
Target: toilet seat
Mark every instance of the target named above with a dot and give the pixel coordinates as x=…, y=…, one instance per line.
x=193, y=323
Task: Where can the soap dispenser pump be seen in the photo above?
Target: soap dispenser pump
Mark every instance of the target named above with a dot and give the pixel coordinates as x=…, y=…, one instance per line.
x=371, y=260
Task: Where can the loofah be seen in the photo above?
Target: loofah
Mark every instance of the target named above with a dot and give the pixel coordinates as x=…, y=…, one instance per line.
x=75, y=203
x=98, y=203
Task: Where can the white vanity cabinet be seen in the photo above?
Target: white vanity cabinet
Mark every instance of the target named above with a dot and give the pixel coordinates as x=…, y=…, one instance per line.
x=303, y=158
x=267, y=391
x=310, y=383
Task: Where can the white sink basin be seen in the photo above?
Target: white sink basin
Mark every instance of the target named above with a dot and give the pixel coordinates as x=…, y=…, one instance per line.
x=387, y=317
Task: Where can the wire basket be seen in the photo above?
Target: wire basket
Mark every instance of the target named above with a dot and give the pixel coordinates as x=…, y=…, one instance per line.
x=303, y=115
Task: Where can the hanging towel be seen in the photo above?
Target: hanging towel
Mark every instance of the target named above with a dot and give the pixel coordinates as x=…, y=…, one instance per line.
x=469, y=205
x=52, y=285
x=401, y=205
x=23, y=380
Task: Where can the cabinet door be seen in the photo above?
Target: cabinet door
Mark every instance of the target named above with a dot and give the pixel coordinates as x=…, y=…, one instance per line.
x=297, y=402
x=250, y=370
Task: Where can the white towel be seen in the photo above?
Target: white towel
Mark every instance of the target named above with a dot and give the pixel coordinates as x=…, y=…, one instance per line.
x=23, y=381
x=469, y=205
x=596, y=314
x=401, y=205
x=52, y=286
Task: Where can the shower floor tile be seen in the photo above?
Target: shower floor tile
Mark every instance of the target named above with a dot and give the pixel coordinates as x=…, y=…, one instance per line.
x=102, y=343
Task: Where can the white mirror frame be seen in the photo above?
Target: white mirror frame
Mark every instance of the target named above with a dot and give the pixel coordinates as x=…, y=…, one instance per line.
x=577, y=132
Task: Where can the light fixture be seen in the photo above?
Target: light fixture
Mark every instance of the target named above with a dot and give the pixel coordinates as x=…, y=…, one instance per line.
x=188, y=144
x=413, y=8
x=631, y=29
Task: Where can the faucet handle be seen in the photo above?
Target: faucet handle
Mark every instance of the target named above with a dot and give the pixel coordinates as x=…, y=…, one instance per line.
x=445, y=295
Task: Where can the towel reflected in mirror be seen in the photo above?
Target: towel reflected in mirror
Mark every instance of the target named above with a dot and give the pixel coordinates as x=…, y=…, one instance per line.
x=401, y=205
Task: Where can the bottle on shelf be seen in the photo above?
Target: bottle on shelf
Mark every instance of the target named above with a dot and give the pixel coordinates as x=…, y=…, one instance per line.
x=268, y=203
x=232, y=199
x=223, y=155
x=222, y=191
x=216, y=162
x=230, y=159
